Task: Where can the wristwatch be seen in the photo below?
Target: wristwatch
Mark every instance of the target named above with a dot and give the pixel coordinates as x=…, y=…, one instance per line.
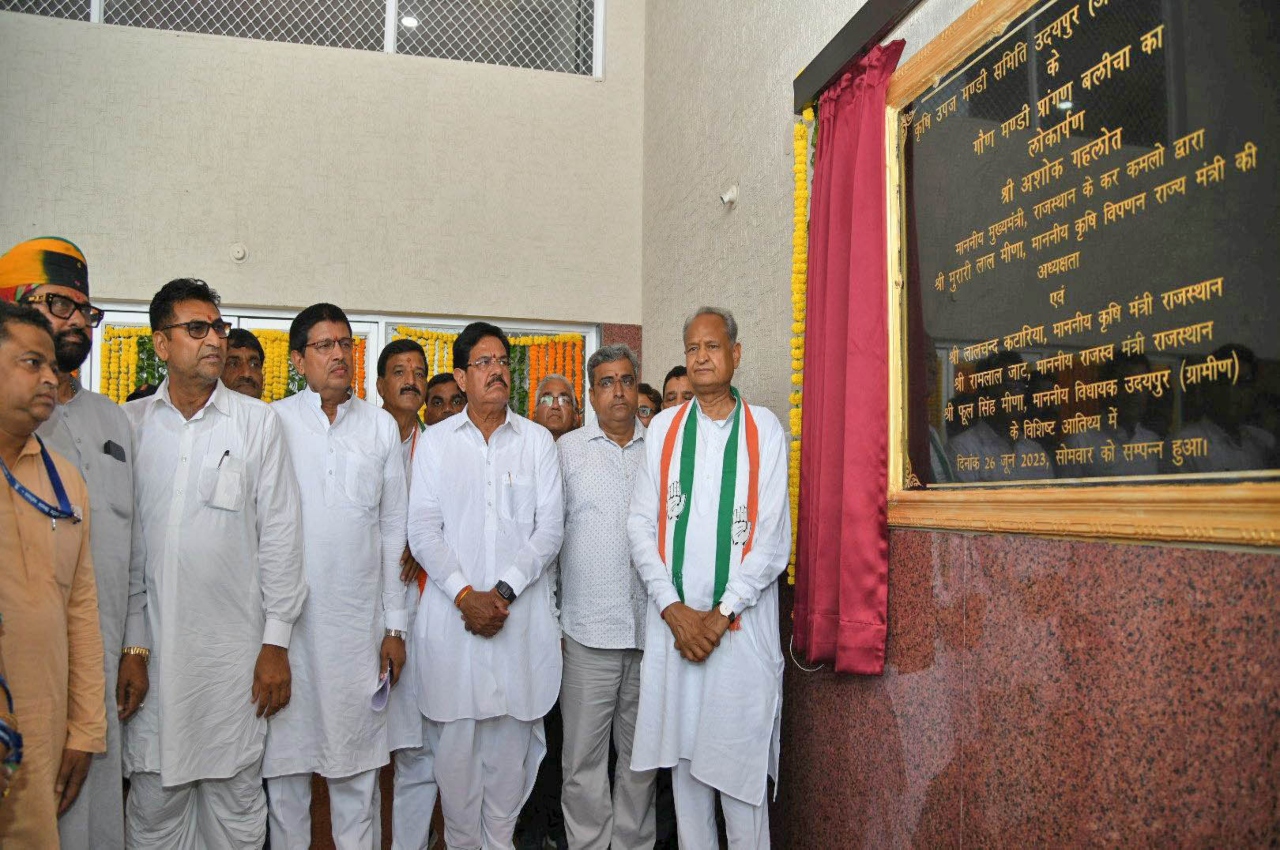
x=396, y=633
x=504, y=590
x=728, y=611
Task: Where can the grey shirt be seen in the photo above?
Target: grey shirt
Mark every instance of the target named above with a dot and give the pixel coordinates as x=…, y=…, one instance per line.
x=602, y=599
x=92, y=432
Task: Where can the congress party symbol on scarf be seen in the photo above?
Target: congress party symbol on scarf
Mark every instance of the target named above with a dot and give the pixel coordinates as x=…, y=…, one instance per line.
x=739, y=493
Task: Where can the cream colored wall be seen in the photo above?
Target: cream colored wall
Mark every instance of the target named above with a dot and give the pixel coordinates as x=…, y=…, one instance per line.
x=380, y=182
x=718, y=95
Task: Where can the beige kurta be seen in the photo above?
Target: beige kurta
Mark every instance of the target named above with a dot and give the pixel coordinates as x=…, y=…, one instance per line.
x=52, y=644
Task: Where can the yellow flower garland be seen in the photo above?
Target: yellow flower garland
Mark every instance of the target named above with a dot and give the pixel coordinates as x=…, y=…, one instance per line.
x=799, y=285
x=120, y=361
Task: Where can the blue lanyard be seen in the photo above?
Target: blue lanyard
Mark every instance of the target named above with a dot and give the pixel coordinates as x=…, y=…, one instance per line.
x=63, y=510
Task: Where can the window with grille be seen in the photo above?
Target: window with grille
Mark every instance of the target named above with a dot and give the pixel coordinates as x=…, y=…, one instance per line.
x=549, y=35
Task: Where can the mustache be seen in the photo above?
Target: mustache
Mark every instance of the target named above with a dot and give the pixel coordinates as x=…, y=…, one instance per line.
x=410, y=388
x=496, y=379
x=245, y=380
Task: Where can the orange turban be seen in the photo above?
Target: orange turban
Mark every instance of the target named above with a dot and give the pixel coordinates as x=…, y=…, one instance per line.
x=36, y=262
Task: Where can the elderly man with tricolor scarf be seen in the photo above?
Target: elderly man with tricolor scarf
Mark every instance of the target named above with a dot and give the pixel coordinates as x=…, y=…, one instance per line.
x=710, y=533
x=92, y=432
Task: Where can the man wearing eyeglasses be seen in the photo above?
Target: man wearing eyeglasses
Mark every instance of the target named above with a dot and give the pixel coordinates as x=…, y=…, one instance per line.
x=557, y=409
x=602, y=615
x=650, y=404
x=219, y=509
x=485, y=516
x=350, y=639
x=92, y=432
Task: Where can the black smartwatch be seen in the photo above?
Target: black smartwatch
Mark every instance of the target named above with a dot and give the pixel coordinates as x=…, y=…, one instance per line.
x=504, y=590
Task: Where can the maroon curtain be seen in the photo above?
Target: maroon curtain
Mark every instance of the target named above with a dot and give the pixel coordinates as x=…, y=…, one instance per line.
x=842, y=557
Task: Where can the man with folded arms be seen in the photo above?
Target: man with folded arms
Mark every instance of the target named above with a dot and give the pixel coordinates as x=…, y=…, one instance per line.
x=602, y=615
x=710, y=533
x=53, y=649
x=92, y=432
x=222, y=529
x=346, y=456
x=485, y=518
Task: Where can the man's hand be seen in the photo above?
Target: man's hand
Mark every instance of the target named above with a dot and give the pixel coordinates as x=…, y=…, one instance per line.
x=71, y=774
x=271, y=679
x=409, y=567
x=693, y=639
x=393, y=655
x=484, y=612
x=131, y=686
x=715, y=624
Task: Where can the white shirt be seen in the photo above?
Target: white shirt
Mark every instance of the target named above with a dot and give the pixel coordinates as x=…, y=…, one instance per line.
x=404, y=721
x=725, y=714
x=1254, y=451
x=351, y=478
x=480, y=513
x=222, y=528
x=602, y=599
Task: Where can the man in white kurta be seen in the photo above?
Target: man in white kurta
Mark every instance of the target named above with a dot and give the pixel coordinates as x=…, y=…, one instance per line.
x=92, y=432
x=485, y=519
x=220, y=519
x=346, y=457
x=402, y=385
x=711, y=701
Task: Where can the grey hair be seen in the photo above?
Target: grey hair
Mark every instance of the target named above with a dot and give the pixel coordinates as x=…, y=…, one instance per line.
x=554, y=376
x=612, y=354
x=730, y=323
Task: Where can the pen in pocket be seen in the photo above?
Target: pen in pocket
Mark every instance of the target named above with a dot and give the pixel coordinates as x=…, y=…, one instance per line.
x=225, y=455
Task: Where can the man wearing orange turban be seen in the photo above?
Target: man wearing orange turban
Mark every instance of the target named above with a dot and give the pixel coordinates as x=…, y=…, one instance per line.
x=88, y=429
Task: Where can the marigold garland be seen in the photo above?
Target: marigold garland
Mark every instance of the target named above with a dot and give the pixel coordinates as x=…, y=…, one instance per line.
x=799, y=287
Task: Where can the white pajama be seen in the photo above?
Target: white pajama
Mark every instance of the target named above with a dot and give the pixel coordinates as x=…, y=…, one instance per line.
x=747, y=826
x=211, y=814
x=351, y=811
x=486, y=769
x=600, y=691
x=414, y=799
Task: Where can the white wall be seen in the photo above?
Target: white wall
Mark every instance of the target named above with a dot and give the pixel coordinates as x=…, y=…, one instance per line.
x=383, y=183
x=718, y=99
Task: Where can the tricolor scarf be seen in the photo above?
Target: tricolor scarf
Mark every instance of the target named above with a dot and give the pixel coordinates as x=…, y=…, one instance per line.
x=739, y=493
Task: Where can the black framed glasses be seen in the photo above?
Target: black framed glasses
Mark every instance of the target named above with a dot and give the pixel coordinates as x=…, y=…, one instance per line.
x=64, y=308
x=324, y=346
x=199, y=329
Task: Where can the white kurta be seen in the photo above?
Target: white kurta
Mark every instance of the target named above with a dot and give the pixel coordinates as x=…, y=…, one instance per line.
x=479, y=513
x=93, y=433
x=351, y=479
x=723, y=715
x=222, y=528
x=404, y=720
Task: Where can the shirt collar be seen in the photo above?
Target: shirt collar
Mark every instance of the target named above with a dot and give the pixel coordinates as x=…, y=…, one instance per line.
x=462, y=419
x=32, y=447
x=219, y=400
x=593, y=431
x=311, y=399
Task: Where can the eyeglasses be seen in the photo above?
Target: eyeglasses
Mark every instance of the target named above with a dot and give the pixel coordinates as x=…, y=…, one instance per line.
x=199, y=329
x=607, y=382
x=484, y=363
x=325, y=346
x=644, y=410
x=564, y=399
x=63, y=307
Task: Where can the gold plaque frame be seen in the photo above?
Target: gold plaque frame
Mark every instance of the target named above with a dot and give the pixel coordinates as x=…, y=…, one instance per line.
x=1234, y=513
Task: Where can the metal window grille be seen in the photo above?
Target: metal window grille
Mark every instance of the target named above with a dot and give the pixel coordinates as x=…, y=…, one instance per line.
x=550, y=35
x=76, y=10
x=356, y=24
